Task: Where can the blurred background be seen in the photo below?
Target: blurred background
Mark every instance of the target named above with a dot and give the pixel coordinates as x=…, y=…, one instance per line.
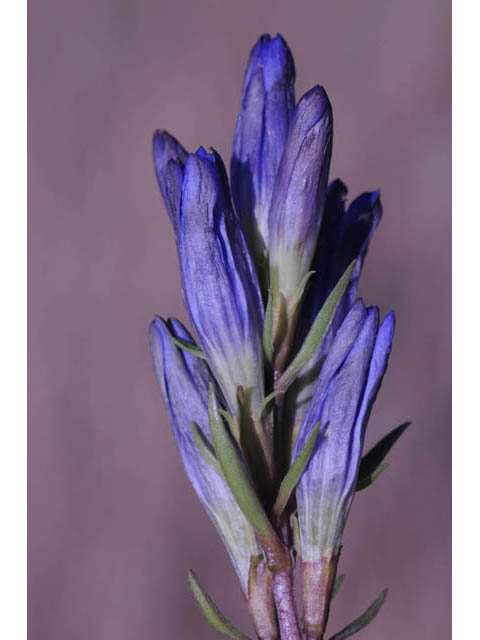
x=114, y=524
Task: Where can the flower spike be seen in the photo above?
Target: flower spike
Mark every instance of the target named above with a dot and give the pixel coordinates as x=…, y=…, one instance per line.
x=270, y=403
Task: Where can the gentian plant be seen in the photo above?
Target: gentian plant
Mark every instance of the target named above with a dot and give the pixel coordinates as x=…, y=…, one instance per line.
x=270, y=401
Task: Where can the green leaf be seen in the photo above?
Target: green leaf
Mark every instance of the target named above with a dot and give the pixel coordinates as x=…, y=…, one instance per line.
x=204, y=447
x=265, y=402
x=188, y=346
x=293, y=475
x=337, y=584
x=297, y=298
x=211, y=612
x=262, y=407
x=361, y=622
x=371, y=465
x=232, y=423
x=235, y=474
x=367, y=480
x=317, y=332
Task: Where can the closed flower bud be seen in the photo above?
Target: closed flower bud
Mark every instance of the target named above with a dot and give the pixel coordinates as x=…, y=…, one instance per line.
x=266, y=108
x=184, y=380
x=220, y=284
x=299, y=192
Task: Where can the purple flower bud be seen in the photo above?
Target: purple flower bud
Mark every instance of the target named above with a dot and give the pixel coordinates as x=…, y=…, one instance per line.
x=344, y=236
x=342, y=401
x=266, y=108
x=220, y=284
x=184, y=381
x=169, y=158
x=300, y=190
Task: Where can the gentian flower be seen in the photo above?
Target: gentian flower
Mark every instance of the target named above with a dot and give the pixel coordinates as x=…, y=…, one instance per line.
x=220, y=284
x=266, y=108
x=184, y=380
x=344, y=394
x=299, y=192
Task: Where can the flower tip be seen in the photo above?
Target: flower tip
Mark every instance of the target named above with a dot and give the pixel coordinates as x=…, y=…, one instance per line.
x=273, y=58
x=178, y=330
x=389, y=322
x=211, y=155
x=374, y=313
x=161, y=139
x=358, y=305
x=157, y=330
x=157, y=323
x=374, y=198
x=158, y=143
x=315, y=106
x=201, y=152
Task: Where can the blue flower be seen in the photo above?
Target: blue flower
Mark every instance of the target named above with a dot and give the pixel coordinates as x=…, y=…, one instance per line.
x=344, y=394
x=266, y=108
x=299, y=192
x=220, y=284
x=184, y=381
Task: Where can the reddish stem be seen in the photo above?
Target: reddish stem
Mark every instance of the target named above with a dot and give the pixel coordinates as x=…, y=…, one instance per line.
x=281, y=567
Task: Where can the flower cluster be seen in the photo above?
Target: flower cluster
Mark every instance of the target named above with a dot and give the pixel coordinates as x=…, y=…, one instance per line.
x=270, y=404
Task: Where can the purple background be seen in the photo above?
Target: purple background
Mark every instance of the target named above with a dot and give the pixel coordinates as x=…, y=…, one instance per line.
x=114, y=524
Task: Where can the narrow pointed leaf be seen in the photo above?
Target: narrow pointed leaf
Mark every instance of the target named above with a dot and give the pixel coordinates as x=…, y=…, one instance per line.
x=236, y=476
x=232, y=423
x=371, y=461
x=188, y=346
x=298, y=297
x=366, y=481
x=204, y=447
x=337, y=584
x=259, y=413
x=211, y=612
x=365, y=619
x=294, y=473
x=317, y=332
x=265, y=402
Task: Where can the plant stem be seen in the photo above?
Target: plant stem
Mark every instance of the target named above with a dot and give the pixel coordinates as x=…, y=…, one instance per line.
x=281, y=567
